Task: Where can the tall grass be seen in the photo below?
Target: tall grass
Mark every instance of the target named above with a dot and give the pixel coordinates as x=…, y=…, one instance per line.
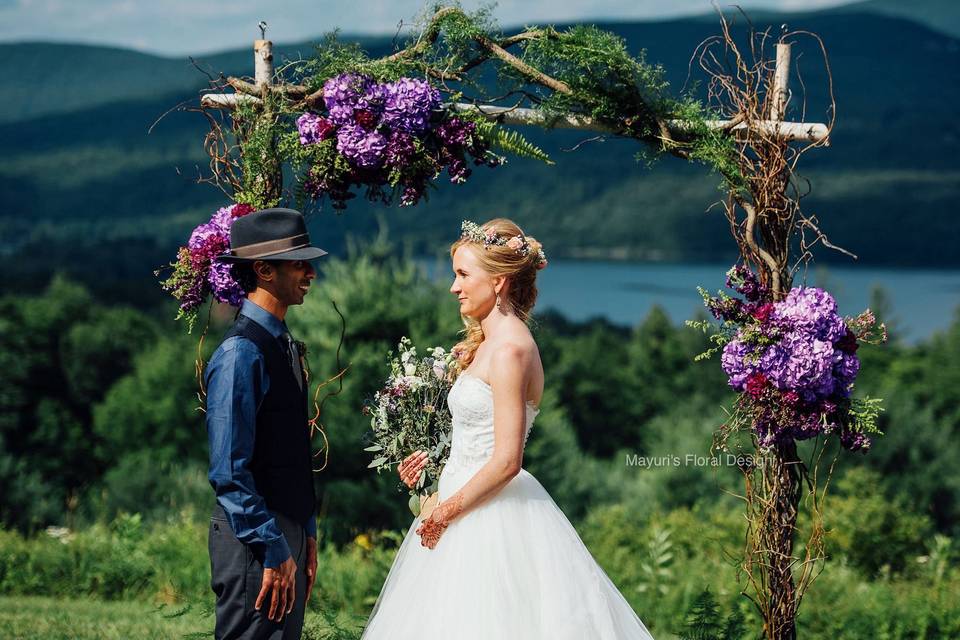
x=124, y=572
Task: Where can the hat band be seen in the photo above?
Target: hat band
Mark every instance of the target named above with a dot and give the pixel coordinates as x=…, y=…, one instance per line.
x=272, y=247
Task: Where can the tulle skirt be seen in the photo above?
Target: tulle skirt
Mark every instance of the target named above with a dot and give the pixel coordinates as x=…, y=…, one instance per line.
x=513, y=568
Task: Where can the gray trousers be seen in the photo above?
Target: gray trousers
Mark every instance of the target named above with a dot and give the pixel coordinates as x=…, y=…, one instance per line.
x=236, y=571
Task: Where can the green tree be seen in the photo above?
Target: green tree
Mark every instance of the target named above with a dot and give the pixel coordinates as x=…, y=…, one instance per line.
x=59, y=351
x=155, y=407
x=100, y=349
x=920, y=451
x=591, y=378
x=872, y=528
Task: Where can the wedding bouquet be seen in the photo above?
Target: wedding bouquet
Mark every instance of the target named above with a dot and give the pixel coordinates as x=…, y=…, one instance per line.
x=410, y=413
x=794, y=362
x=196, y=276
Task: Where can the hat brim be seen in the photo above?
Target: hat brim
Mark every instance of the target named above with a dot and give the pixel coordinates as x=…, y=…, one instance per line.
x=304, y=253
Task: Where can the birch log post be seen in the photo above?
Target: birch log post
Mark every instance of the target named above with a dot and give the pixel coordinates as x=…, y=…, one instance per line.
x=269, y=187
x=781, y=90
x=263, y=62
x=781, y=480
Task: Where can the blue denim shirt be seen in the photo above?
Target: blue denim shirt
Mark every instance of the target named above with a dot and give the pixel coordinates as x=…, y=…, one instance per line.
x=237, y=382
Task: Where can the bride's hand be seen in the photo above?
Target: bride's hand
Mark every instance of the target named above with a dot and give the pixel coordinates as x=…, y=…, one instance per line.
x=411, y=467
x=433, y=527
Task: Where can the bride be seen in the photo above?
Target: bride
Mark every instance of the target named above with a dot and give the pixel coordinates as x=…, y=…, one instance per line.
x=496, y=558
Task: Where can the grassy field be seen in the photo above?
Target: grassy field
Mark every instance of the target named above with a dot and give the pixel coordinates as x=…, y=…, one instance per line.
x=58, y=619
x=36, y=618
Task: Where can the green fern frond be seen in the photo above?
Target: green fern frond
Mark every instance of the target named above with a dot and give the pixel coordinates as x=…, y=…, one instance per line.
x=511, y=142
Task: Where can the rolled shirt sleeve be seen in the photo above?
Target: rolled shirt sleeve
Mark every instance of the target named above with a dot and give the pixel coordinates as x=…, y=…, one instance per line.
x=236, y=384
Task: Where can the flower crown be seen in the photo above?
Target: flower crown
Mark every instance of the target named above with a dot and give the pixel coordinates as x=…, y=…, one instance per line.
x=472, y=231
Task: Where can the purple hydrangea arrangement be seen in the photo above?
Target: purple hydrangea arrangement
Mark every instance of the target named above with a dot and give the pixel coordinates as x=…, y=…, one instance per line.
x=391, y=135
x=196, y=276
x=794, y=362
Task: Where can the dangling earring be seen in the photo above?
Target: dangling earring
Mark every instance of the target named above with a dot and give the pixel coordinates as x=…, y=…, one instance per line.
x=498, y=303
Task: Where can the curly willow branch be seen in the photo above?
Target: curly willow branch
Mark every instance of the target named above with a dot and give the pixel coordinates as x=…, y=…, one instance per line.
x=198, y=364
x=314, y=422
x=764, y=214
x=742, y=88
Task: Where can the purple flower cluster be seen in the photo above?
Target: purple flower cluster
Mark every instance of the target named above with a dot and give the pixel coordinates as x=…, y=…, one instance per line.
x=348, y=92
x=745, y=282
x=361, y=147
x=313, y=128
x=392, y=133
x=795, y=360
x=224, y=286
x=813, y=312
x=196, y=275
x=400, y=149
x=409, y=104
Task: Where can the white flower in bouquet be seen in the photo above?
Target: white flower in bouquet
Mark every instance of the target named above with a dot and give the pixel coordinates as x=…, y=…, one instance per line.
x=410, y=381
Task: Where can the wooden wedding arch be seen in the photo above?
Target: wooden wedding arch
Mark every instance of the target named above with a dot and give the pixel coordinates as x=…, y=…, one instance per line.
x=750, y=94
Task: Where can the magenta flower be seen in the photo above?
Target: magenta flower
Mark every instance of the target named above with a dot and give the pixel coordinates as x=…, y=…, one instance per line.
x=756, y=383
x=763, y=312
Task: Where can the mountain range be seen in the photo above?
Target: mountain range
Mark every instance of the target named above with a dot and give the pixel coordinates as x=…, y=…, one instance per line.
x=94, y=184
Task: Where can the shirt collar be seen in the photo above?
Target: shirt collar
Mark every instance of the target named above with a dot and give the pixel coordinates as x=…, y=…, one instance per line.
x=274, y=325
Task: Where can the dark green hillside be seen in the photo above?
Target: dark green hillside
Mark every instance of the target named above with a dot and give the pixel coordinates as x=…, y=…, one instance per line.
x=61, y=78
x=942, y=15
x=91, y=188
x=939, y=15
x=58, y=78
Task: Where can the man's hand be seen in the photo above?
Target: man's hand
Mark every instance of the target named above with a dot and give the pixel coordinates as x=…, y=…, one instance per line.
x=311, y=566
x=282, y=581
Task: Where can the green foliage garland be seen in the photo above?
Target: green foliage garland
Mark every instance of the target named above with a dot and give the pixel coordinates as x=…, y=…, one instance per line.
x=582, y=71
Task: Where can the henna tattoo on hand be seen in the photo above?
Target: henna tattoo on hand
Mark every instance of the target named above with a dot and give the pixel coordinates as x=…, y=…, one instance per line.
x=433, y=527
x=449, y=509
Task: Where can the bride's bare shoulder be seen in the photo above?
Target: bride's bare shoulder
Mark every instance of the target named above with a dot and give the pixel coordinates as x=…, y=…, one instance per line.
x=516, y=351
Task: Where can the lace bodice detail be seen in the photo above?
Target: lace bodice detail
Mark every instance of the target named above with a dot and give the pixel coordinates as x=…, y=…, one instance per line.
x=471, y=405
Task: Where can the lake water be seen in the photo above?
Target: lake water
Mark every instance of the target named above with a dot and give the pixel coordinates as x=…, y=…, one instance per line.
x=921, y=301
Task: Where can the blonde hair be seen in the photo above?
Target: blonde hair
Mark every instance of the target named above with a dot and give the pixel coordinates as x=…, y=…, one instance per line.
x=501, y=260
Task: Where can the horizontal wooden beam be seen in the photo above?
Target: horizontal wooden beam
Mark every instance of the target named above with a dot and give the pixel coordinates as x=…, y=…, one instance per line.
x=227, y=100
x=789, y=131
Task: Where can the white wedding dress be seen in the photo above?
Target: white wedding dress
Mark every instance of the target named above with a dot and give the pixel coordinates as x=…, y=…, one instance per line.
x=512, y=568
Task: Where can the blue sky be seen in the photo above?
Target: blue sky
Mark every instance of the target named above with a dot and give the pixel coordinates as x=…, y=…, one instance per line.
x=177, y=27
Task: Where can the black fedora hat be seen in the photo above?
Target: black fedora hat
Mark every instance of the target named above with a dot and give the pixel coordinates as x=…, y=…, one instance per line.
x=270, y=234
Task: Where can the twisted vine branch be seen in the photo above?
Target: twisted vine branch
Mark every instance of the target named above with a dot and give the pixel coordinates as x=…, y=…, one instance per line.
x=746, y=85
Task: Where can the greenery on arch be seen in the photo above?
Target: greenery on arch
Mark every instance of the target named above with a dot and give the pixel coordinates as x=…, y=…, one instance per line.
x=582, y=73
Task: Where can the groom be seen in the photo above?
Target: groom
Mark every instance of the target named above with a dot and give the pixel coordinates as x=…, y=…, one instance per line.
x=263, y=533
